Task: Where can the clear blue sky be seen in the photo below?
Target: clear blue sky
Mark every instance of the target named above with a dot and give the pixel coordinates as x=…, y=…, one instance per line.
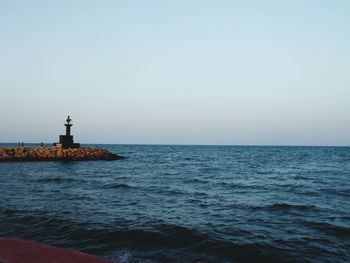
x=176, y=72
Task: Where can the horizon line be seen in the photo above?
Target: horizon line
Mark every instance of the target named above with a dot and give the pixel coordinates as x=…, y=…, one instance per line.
x=170, y=144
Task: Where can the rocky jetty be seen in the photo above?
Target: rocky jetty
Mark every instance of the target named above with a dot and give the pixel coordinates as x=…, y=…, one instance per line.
x=15, y=154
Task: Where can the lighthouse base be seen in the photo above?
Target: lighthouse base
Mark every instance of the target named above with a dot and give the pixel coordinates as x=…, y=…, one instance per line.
x=66, y=141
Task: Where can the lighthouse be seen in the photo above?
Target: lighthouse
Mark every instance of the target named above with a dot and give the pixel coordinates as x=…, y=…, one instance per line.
x=68, y=125
x=66, y=141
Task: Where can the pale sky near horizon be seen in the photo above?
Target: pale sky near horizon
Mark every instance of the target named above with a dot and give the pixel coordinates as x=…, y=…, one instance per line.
x=176, y=72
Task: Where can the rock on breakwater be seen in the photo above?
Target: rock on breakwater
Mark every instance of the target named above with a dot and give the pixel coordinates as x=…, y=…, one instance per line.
x=13, y=154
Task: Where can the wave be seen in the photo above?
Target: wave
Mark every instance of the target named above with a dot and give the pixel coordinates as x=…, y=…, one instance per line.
x=301, y=177
x=58, y=180
x=286, y=206
x=164, y=189
x=336, y=230
x=196, y=180
x=100, y=240
x=341, y=192
x=248, y=252
x=172, y=173
x=154, y=240
x=264, y=172
x=188, y=158
x=8, y=211
x=200, y=194
x=117, y=185
x=234, y=185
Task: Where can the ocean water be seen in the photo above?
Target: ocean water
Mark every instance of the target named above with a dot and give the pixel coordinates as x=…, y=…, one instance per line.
x=186, y=203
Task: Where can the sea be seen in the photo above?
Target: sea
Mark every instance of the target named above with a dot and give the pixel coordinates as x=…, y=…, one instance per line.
x=172, y=203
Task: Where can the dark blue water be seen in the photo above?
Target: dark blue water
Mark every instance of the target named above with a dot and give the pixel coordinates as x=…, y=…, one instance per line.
x=185, y=203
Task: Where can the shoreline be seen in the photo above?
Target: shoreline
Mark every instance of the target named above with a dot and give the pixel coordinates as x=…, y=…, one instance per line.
x=34, y=154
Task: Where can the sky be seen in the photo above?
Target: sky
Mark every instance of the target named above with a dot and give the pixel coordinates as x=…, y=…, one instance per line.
x=245, y=72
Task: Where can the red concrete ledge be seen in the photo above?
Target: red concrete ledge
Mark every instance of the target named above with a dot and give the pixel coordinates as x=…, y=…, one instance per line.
x=15, y=250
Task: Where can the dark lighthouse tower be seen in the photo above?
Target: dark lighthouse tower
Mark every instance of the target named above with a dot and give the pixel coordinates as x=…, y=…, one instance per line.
x=68, y=125
x=66, y=141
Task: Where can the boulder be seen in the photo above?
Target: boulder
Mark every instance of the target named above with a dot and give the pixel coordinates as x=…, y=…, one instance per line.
x=55, y=154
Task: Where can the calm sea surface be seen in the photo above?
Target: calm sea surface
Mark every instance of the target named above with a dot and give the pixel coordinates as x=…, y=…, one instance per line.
x=185, y=203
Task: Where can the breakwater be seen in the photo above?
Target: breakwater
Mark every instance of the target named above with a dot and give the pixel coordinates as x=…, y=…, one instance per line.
x=11, y=154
